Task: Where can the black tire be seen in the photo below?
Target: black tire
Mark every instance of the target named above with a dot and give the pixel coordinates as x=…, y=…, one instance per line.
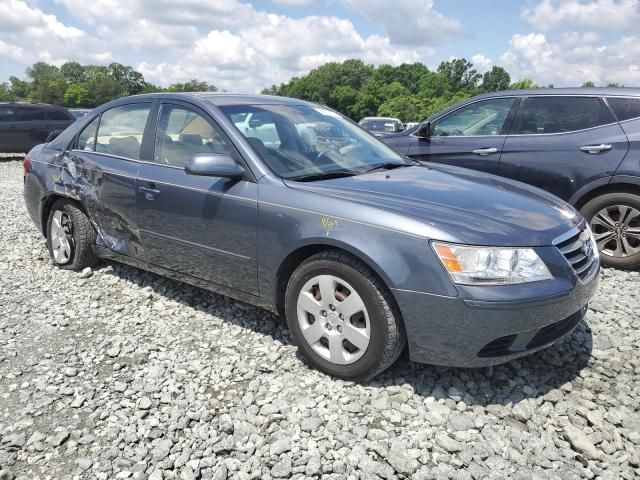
x=591, y=208
x=387, y=335
x=82, y=236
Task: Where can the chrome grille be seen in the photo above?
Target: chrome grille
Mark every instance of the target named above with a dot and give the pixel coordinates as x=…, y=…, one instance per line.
x=578, y=249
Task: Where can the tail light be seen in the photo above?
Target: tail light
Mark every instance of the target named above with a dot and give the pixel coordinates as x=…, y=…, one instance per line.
x=26, y=165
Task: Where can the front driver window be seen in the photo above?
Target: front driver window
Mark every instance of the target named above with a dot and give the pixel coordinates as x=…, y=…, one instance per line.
x=480, y=118
x=183, y=133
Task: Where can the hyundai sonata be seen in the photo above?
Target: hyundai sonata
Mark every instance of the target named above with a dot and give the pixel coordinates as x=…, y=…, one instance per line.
x=289, y=206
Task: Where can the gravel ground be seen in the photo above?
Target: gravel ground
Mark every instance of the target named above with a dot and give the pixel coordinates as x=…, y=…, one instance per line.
x=118, y=373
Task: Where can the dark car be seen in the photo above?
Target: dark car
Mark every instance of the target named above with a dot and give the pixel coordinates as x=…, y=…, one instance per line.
x=24, y=125
x=79, y=112
x=581, y=144
x=382, y=125
x=361, y=249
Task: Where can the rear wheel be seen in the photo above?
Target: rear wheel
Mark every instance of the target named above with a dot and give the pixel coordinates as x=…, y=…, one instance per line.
x=615, y=221
x=70, y=237
x=342, y=317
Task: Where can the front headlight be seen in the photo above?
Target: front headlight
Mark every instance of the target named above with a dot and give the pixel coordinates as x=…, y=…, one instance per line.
x=470, y=265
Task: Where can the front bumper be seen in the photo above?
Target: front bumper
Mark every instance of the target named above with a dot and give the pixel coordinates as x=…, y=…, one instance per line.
x=512, y=321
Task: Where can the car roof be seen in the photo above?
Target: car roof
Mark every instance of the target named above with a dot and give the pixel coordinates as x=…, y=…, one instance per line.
x=608, y=91
x=29, y=105
x=225, y=98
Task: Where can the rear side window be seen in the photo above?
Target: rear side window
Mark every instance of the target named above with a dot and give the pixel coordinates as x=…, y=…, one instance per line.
x=8, y=114
x=31, y=114
x=57, y=115
x=625, y=108
x=182, y=133
x=87, y=138
x=121, y=129
x=556, y=114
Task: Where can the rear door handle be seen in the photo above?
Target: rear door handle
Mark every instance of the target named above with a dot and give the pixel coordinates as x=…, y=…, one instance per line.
x=150, y=191
x=485, y=151
x=596, y=148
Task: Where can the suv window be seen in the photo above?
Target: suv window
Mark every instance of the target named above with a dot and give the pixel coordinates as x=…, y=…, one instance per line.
x=625, y=108
x=486, y=117
x=54, y=114
x=31, y=114
x=182, y=133
x=8, y=114
x=555, y=114
x=87, y=138
x=121, y=128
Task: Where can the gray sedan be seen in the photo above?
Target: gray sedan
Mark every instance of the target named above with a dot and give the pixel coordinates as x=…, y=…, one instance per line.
x=288, y=205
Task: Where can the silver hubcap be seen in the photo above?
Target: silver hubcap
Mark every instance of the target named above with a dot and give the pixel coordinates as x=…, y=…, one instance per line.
x=617, y=230
x=61, y=237
x=333, y=319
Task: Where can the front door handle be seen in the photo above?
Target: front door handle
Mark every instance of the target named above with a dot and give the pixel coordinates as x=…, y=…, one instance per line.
x=596, y=148
x=150, y=191
x=485, y=151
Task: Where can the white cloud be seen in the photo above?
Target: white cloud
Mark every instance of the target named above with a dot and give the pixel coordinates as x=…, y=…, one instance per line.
x=573, y=59
x=481, y=62
x=409, y=22
x=604, y=15
x=294, y=3
x=12, y=52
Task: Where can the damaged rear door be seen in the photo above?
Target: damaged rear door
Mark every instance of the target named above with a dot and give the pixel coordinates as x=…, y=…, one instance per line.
x=101, y=172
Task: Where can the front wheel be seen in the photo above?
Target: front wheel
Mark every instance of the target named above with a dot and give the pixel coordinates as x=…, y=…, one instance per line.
x=342, y=317
x=70, y=237
x=615, y=221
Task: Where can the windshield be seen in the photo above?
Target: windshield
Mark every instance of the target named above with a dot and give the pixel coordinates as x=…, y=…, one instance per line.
x=305, y=141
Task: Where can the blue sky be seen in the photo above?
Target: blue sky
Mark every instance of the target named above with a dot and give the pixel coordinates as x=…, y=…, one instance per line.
x=244, y=46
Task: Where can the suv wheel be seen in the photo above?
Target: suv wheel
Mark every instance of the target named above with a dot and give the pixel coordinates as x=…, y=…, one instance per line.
x=342, y=318
x=615, y=222
x=70, y=237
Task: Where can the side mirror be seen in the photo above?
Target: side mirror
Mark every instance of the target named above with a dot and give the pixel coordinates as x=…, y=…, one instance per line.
x=424, y=130
x=53, y=135
x=213, y=165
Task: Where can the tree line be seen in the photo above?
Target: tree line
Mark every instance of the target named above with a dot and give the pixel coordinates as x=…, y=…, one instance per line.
x=410, y=92
x=76, y=85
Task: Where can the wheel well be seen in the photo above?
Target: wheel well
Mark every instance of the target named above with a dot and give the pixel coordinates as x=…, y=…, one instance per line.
x=46, y=208
x=608, y=188
x=297, y=257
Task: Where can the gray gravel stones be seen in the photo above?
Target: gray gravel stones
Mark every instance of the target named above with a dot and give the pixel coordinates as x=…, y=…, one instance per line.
x=124, y=374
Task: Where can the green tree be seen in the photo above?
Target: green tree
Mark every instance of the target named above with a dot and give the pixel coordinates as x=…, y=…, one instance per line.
x=73, y=72
x=460, y=74
x=523, y=84
x=19, y=88
x=588, y=84
x=47, y=85
x=77, y=95
x=495, y=80
x=193, y=85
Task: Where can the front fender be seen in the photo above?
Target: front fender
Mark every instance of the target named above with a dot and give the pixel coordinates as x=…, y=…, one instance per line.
x=403, y=261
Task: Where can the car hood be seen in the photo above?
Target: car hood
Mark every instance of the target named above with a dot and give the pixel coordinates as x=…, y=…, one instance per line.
x=478, y=208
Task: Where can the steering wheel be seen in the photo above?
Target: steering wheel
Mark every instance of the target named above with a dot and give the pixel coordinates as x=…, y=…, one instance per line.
x=324, y=157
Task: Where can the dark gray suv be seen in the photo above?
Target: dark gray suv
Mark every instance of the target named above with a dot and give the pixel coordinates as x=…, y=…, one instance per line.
x=581, y=144
x=25, y=125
